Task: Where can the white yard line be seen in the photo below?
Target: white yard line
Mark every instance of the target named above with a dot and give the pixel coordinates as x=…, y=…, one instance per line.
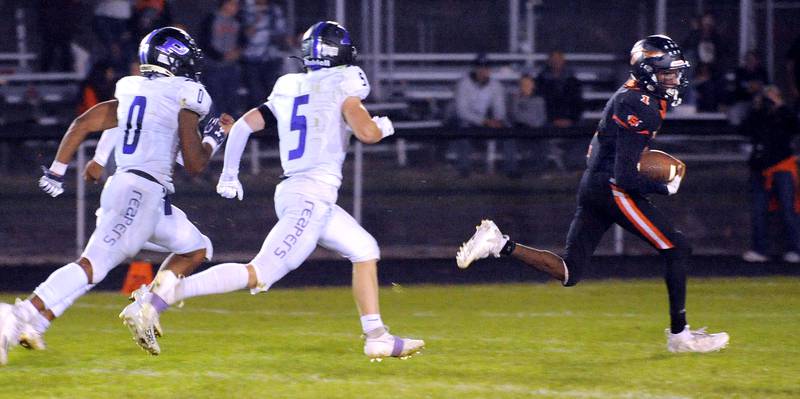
x=461, y=387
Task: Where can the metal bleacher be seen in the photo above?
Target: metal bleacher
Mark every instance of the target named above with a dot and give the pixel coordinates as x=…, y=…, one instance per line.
x=428, y=80
x=415, y=89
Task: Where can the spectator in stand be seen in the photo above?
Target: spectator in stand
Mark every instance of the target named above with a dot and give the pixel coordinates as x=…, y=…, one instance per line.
x=704, y=45
x=111, y=27
x=265, y=33
x=749, y=80
x=561, y=90
x=57, y=28
x=793, y=68
x=99, y=86
x=528, y=111
x=528, y=108
x=480, y=102
x=709, y=89
x=221, y=39
x=774, y=173
x=149, y=15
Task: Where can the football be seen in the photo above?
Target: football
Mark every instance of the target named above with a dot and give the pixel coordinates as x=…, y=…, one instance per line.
x=660, y=166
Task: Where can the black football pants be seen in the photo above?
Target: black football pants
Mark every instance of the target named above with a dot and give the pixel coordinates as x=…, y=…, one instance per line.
x=599, y=208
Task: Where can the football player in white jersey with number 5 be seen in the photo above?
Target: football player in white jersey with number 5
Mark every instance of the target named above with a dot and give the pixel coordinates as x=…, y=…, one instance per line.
x=311, y=112
x=155, y=113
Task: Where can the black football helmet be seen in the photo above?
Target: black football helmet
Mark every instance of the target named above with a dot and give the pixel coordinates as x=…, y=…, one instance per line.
x=170, y=51
x=654, y=54
x=327, y=44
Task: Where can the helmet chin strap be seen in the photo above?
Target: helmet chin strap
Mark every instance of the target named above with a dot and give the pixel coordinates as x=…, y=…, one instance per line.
x=150, y=68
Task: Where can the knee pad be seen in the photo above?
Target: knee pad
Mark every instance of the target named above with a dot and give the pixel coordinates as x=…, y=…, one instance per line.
x=102, y=260
x=99, y=270
x=368, y=250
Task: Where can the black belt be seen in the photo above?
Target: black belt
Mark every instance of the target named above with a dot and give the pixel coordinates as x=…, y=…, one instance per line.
x=145, y=175
x=167, y=202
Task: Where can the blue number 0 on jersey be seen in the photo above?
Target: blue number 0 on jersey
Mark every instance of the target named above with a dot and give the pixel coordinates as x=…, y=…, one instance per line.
x=129, y=144
x=299, y=123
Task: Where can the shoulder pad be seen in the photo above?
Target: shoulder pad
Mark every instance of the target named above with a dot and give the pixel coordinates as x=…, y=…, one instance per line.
x=354, y=82
x=637, y=111
x=286, y=85
x=194, y=97
x=126, y=82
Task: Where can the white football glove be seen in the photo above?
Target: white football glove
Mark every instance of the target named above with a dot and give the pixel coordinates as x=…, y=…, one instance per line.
x=385, y=125
x=51, y=183
x=230, y=187
x=673, y=185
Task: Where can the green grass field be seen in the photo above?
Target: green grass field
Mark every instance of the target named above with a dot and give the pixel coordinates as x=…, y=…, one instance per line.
x=598, y=340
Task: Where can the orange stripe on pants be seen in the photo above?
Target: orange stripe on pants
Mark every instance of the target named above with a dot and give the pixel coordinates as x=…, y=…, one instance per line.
x=640, y=221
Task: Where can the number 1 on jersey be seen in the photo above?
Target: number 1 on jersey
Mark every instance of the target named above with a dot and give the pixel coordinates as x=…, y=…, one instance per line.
x=128, y=147
x=298, y=123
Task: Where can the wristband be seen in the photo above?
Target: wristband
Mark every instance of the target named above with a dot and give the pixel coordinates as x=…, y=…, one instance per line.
x=58, y=168
x=212, y=142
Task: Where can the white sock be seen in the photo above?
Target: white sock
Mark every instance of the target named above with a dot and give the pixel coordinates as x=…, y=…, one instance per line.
x=40, y=323
x=370, y=322
x=222, y=278
x=164, y=285
x=59, y=308
x=32, y=316
x=61, y=284
x=27, y=310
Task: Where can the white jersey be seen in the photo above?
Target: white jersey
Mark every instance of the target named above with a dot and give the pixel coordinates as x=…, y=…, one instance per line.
x=147, y=117
x=313, y=133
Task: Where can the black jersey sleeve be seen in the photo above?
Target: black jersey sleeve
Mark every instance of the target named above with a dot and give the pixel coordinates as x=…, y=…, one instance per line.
x=637, y=121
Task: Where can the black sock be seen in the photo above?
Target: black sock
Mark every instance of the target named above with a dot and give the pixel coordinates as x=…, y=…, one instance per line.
x=677, y=321
x=675, y=277
x=508, y=248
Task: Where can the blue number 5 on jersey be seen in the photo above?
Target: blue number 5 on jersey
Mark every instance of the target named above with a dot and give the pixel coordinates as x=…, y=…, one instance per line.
x=298, y=123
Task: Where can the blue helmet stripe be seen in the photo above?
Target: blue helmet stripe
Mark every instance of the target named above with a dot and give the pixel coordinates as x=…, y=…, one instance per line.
x=315, y=36
x=143, y=50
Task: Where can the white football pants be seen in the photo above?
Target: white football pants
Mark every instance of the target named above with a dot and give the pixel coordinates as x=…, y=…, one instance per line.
x=303, y=222
x=134, y=215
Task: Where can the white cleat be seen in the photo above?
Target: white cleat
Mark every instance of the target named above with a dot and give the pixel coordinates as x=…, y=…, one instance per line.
x=29, y=338
x=141, y=318
x=696, y=341
x=487, y=240
x=388, y=345
x=9, y=330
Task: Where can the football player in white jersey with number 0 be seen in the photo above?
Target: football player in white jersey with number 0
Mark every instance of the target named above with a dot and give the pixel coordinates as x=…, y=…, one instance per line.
x=156, y=113
x=311, y=112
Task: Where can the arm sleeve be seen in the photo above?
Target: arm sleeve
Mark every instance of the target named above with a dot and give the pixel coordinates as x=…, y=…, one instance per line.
x=105, y=146
x=463, y=112
x=636, y=125
x=237, y=140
